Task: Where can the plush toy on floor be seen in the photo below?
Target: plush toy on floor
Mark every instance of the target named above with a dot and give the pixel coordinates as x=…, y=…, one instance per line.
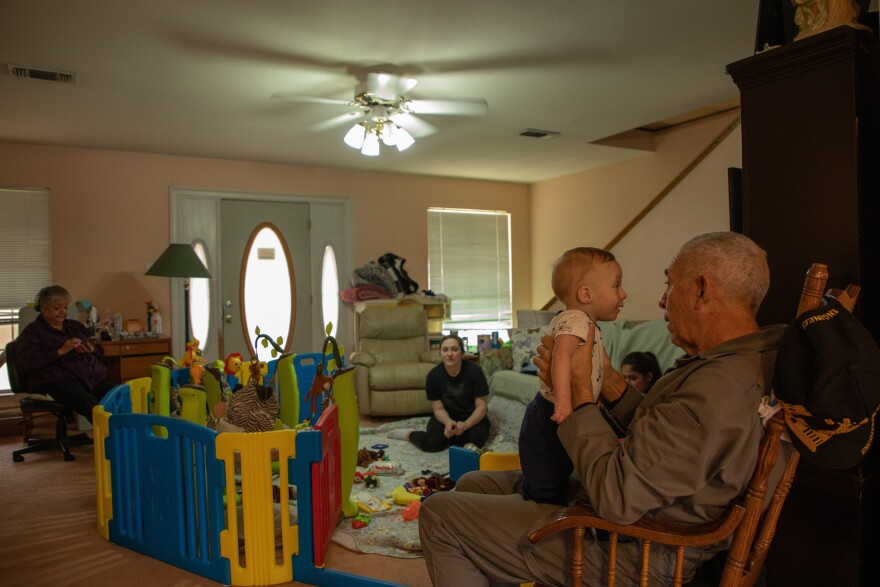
x=365, y=457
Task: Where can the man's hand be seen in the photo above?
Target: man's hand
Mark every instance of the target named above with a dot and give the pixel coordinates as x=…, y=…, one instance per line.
x=542, y=361
x=613, y=383
x=581, y=367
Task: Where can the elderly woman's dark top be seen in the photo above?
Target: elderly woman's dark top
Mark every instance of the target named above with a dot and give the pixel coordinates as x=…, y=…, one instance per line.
x=36, y=353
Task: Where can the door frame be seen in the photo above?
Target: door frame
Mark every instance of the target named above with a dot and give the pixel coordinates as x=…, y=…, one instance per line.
x=338, y=234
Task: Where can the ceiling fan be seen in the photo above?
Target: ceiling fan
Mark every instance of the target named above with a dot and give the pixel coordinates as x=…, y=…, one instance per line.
x=382, y=110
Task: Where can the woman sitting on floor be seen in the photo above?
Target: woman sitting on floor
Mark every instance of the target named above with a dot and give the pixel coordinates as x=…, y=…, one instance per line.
x=458, y=392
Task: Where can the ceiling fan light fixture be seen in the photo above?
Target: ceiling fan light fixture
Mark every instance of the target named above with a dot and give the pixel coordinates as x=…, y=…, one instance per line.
x=403, y=140
x=389, y=133
x=354, y=138
x=371, y=145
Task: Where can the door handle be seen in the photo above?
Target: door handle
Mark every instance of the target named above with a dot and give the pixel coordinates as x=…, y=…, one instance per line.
x=228, y=318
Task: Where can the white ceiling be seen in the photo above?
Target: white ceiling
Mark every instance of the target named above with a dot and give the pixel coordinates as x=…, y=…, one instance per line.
x=195, y=77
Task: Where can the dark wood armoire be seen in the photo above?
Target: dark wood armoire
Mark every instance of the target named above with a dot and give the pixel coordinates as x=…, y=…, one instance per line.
x=810, y=192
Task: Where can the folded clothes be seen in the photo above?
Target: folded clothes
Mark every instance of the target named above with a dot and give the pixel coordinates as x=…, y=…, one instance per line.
x=360, y=293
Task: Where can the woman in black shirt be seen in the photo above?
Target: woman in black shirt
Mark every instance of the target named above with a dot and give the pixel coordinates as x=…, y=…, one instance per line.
x=458, y=393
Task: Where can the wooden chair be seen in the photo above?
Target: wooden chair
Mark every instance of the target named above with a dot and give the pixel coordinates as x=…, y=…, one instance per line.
x=752, y=528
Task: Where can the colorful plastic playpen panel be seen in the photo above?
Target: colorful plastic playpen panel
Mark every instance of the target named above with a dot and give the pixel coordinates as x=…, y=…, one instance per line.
x=167, y=488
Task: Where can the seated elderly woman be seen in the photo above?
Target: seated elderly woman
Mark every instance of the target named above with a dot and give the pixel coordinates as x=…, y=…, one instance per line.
x=59, y=356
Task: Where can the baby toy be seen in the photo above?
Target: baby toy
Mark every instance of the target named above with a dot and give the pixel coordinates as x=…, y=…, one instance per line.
x=321, y=386
x=370, y=479
x=192, y=349
x=361, y=521
x=388, y=468
x=402, y=496
x=197, y=369
x=254, y=407
x=411, y=512
x=425, y=486
x=233, y=364
x=365, y=457
x=251, y=371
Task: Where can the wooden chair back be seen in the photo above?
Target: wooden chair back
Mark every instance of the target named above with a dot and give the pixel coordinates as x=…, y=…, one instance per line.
x=751, y=527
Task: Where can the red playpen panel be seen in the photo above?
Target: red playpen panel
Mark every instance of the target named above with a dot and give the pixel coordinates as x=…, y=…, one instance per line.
x=326, y=484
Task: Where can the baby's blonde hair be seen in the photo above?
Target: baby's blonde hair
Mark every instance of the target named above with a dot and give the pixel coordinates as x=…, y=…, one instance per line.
x=571, y=268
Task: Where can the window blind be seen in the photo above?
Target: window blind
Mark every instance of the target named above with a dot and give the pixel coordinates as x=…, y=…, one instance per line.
x=469, y=262
x=25, y=264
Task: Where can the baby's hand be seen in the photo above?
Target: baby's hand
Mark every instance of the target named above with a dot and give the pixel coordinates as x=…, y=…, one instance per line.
x=561, y=411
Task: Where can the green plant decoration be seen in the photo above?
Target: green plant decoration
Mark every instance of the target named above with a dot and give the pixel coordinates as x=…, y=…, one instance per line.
x=266, y=340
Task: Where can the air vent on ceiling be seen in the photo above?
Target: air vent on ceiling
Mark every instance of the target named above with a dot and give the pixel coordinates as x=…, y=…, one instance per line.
x=66, y=77
x=538, y=134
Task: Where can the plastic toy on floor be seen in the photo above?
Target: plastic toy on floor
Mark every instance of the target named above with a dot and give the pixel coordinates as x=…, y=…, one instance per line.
x=361, y=521
x=411, y=512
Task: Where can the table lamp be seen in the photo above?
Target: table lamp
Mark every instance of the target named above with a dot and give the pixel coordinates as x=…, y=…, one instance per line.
x=180, y=260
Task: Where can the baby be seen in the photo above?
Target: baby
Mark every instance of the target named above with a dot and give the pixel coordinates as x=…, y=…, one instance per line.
x=588, y=281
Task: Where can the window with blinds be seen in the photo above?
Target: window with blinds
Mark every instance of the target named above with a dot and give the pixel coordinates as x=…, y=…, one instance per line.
x=24, y=258
x=469, y=262
x=24, y=245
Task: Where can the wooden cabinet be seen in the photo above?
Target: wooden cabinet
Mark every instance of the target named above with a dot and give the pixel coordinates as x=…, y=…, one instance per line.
x=131, y=358
x=811, y=178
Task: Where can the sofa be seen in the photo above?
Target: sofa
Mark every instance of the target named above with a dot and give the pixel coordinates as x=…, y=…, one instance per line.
x=392, y=361
x=511, y=374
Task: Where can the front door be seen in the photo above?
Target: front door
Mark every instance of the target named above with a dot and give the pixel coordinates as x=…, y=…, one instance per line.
x=254, y=237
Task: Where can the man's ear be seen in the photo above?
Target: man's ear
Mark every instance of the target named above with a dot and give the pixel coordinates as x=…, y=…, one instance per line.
x=702, y=287
x=583, y=294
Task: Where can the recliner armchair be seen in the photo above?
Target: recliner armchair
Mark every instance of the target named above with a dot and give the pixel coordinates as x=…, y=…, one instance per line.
x=393, y=359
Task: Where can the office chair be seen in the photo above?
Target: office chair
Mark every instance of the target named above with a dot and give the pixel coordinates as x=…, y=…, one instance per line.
x=36, y=405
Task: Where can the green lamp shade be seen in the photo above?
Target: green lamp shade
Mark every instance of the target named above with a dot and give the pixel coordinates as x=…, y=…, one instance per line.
x=179, y=260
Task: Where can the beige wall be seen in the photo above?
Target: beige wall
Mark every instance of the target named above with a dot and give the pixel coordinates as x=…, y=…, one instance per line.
x=110, y=213
x=598, y=203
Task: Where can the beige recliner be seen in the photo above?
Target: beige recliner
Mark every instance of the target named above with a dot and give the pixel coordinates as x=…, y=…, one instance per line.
x=393, y=360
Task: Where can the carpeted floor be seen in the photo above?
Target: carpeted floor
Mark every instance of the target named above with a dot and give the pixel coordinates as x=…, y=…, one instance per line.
x=49, y=537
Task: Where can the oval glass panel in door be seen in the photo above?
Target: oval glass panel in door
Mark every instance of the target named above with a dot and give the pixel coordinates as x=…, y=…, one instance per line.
x=199, y=300
x=329, y=290
x=268, y=288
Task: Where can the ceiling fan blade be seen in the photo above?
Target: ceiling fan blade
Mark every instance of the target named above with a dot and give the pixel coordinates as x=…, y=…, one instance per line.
x=455, y=107
x=388, y=86
x=311, y=99
x=413, y=125
x=342, y=119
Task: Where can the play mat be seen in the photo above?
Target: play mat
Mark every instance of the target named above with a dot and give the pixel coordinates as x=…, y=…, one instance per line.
x=387, y=533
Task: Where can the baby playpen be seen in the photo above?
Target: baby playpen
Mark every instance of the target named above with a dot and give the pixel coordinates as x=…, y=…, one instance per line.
x=217, y=503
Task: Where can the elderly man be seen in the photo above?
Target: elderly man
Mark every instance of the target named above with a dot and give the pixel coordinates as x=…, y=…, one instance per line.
x=690, y=447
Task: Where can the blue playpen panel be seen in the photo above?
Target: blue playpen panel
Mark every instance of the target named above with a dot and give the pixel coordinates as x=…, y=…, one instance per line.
x=117, y=400
x=306, y=365
x=168, y=492
x=179, y=377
